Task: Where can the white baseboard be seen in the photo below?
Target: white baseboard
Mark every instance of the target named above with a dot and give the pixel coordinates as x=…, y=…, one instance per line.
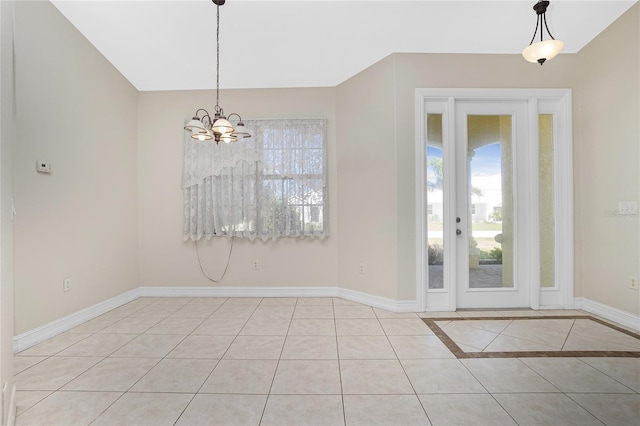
x=11, y=416
x=238, y=291
x=612, y=314
x=47, y=331
x=355, y=296
x=378, y=301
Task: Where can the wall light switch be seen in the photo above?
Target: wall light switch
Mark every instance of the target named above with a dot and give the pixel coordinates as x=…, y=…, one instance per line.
x=43, y=166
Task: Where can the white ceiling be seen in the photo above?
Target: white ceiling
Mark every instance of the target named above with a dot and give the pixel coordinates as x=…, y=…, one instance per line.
x=170, y=45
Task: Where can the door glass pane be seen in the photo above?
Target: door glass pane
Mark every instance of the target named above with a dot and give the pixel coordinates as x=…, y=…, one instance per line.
x=545, y=186
x=435, y=201
x=490, y=201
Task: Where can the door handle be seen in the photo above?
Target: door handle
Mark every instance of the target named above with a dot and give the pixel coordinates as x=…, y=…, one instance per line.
x=458, y=232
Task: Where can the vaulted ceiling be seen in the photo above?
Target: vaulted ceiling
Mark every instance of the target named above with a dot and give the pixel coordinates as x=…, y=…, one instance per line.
x=170, y=45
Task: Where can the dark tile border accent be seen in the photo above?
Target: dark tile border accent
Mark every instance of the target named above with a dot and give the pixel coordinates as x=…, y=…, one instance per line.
x=459, y=353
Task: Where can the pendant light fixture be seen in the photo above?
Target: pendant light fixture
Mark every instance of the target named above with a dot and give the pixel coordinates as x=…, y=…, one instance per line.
x=204, y=127
x=544, y=49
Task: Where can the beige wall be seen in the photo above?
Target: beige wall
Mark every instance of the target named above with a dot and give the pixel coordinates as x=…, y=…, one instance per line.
x=6, y=193
x=76, y=111
x=367, y=179
x=165, y=259
x=607, y=149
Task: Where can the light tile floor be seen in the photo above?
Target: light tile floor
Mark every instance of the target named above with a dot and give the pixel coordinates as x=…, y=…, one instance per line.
x=540, y=334
x=308, y=361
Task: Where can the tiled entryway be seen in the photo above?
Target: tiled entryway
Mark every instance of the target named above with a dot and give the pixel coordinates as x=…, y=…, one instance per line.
x=305, y=361
x=534, y=336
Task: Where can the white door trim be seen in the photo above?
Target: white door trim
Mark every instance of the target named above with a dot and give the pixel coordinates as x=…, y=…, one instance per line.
x=562, y=295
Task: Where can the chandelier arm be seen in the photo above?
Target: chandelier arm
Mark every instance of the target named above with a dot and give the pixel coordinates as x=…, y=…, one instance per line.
x=545, y=25
x=536, y=30
x=202, y=109
x=234, y=113
x=206, y=115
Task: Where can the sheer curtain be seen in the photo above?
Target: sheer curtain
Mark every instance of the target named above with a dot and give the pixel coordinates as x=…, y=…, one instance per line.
x=268, y=186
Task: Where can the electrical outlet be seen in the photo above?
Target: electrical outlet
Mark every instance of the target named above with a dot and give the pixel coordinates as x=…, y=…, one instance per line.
x=361, y=270
x=633, y=283
x=43, y=166
x=255, y=264
x=66, y=284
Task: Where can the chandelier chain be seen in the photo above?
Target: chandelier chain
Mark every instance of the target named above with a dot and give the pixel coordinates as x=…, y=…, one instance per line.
x=217, y=56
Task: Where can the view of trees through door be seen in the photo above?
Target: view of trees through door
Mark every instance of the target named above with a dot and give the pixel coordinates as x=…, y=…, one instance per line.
x=486, y=203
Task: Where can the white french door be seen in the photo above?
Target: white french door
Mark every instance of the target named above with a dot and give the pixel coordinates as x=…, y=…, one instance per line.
x=493, y=197
x=492, y=220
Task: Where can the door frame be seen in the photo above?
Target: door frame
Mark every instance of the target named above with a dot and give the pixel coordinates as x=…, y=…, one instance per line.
x=545, y=101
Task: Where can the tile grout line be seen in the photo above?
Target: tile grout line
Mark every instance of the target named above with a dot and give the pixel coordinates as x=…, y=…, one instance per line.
x=585, y=408
x=600, y=371
x=415, y=393
x=104, y=358
x=568, y=334
x=335, y=328
x=275, y=372
x=92, y=366
x=144, y=375
x=214, y=367
x=487, y=390
x=122, y=393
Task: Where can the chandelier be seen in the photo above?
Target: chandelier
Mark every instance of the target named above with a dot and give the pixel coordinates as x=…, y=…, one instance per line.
x=205, y=127
x=544, y=49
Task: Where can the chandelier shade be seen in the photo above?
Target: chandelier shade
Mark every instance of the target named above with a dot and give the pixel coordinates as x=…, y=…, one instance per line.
x=207, y=136
x=222, y=126
x=195, y=126
x=228, y=138
x=241, y=131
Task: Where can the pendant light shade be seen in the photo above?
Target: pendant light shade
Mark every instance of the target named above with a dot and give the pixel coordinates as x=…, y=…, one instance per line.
x=543, y=50
x=546, y=50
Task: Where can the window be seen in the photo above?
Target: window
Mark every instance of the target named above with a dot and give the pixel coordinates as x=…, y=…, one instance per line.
x=429, y=209
x=270, y=185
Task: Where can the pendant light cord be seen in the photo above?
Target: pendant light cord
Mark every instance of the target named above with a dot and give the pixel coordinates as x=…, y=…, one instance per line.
x=225, y=268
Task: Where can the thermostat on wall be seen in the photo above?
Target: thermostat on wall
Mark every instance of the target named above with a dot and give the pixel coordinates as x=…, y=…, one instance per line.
x=43, y=166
